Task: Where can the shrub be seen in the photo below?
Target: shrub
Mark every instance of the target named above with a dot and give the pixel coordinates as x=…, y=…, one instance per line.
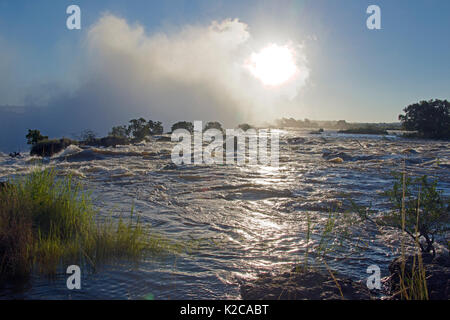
x=425, y=209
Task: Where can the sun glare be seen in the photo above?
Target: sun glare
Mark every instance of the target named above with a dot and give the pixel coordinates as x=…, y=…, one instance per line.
x=273, y=65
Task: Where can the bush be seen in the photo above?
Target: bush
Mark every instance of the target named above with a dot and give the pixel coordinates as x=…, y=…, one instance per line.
x=47, y=148
x=431, y=119
x=424, y=206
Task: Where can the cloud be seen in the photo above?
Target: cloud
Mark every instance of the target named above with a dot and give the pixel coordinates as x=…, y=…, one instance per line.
x=195, y=73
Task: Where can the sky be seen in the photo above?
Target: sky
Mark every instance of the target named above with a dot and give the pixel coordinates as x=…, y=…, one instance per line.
x=191, y=60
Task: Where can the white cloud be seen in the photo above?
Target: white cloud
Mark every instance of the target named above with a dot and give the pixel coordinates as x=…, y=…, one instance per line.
x=195, y=73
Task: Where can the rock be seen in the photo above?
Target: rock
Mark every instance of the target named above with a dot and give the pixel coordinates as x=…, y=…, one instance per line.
x=297, y=140
x=170, y=166
x=336, y=160
x=320, y=131
x=303, y=285
x=14, y=154
x=329, y=155
x=437, y=271
x=410, y=151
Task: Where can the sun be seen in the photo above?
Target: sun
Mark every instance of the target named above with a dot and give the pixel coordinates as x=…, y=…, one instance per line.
x=274, y=65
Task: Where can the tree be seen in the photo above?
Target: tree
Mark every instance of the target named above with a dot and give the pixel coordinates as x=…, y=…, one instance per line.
x=213, y=125
x=183, y=125
x=156, y=127
x=431, y=119
x=88, y=135
x=427, y=213
x=34, y=136
x=244, y=126
x=119, y=132
x=139, y=128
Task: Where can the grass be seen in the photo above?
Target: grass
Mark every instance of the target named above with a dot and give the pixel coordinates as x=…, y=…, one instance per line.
x=413, y=283
x=47, y=222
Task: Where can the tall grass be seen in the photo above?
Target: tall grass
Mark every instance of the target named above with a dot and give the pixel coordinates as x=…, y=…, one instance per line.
x=47, y=222
x=413, y=282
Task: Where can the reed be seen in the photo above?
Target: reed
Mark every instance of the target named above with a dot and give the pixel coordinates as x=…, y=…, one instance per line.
x=47, y=222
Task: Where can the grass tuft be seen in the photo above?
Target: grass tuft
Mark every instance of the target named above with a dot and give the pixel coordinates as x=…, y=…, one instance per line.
x=47, y=222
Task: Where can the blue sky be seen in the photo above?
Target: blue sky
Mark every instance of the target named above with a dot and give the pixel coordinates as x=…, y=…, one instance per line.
x=355, y=73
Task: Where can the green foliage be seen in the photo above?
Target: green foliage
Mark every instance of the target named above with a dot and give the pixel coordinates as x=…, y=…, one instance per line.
x=119, y=131
x=183, y=125
x=46, y=222
x=431, y=119
x=156, y=127
x=419, y=194
x=139, y=129
x=34, y=136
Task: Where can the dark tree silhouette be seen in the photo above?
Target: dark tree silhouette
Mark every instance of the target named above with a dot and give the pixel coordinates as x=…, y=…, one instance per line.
x=245, y=126
x=213, y=125
x=139, y=128
x=34, y=136
x=156, y=127
x=183, y=125
x=431, y=119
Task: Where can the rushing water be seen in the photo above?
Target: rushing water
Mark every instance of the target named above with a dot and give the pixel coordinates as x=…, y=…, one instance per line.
x=251, y=218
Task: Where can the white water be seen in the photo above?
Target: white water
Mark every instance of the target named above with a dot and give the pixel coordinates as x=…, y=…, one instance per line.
x=253, y=218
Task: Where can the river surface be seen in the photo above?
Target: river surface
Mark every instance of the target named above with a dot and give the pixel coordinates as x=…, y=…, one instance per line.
x=251, y=219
